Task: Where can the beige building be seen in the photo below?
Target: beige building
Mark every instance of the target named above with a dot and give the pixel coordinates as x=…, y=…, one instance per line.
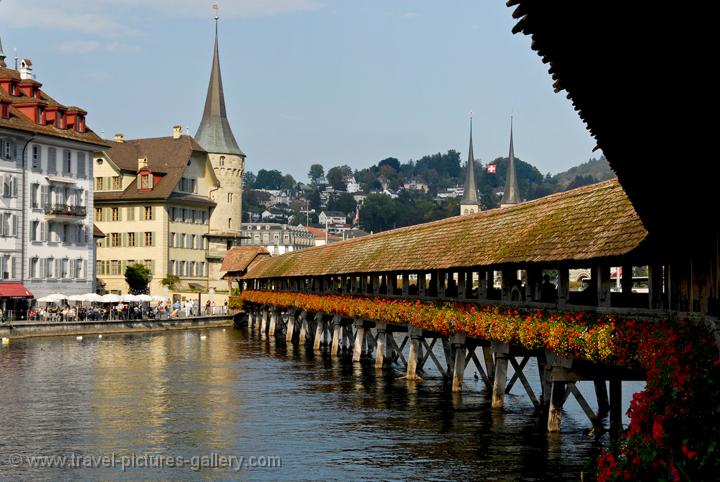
x=152, y=201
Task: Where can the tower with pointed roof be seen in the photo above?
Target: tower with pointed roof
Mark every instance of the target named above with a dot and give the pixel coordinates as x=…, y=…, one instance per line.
x=2, y=55
x=469, y=203
x=228, y=161
x=511, y=196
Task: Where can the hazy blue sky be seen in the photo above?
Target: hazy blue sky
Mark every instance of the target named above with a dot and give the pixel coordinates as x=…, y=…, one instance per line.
x=305, y=80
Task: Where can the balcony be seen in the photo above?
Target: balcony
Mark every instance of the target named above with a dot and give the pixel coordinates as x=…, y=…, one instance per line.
x=65, y=211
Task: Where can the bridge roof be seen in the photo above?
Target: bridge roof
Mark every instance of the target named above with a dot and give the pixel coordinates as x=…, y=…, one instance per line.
x=591, y=222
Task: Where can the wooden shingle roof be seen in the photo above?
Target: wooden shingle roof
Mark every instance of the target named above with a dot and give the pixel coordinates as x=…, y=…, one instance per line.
x=594, y=221
x=238, y=259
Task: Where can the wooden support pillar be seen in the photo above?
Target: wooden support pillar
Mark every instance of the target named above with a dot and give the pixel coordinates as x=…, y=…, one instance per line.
x=304, y=328
x=655, y=287
x=415, y=335
x=337, y=336
x=273, y=321
x=405, y=284
x=615, y=405
x=319, y=331
x=459, y=353
x=264, y=320
x=462, y=285
x=509, y=279
x=482, y=285
x=501, y=362
x=359, y=340
x=381, y=348
x=532, y=286
x=563, y=286
x=290, y=327
x=601, y=394
x=627, y=282
x=603, y=284
x=557, y=399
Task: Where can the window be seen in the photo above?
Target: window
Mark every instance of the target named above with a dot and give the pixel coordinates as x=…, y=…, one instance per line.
x=67, y=162
x=98, y=183
x=36, y=160
x=182, y=269
x=114, y=240
x=65, y=273
x=116, y=183
x=114, y=267
x=131, y=240
x=98, y=214
x=9, y=149
x=146, y=181
x=115, y=212
x=52, y=160
x=230, y=197
x=222, y=160
x=181, y=243
x=49, y=267
x=79, y=269
x=35, y=231
x=148, y=213
x=149, y=239
x=35, y=268
x=229, y=223
x=81, y=164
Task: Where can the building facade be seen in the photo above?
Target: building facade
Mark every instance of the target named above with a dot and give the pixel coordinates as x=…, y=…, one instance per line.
x=277, y=238
x=46, y=233
x=152, y=202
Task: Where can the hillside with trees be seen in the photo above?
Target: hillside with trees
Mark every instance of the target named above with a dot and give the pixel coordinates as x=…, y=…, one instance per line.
x=393, y=194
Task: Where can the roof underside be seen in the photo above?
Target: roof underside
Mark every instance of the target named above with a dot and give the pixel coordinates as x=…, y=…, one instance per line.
x=591, y=222
x=634, y=73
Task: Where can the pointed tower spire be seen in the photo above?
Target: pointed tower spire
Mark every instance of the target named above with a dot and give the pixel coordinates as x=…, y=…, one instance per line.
x=511, y=196
x=469, y=203
x=214, y=133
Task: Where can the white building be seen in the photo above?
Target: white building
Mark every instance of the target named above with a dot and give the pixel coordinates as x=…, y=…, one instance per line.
x=277, y=238
x=332, y=218
x=352, y=185
x=46, y=234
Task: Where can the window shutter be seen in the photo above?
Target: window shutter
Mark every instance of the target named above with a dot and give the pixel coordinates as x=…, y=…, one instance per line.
x=124, y=239
x=71, y=269
x=15, y=225
x=58, y=268
x=84, y=269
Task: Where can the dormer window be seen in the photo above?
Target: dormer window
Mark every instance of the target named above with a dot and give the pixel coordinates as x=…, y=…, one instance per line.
x=222, y=160
x=146, y=181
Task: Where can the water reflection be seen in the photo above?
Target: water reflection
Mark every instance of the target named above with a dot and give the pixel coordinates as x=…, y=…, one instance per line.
x=237, y=393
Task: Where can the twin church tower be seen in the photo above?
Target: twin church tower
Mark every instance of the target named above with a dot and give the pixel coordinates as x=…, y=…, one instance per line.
x=511, y=196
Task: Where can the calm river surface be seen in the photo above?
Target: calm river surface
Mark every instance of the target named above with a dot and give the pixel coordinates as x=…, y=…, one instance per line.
x=234, y=394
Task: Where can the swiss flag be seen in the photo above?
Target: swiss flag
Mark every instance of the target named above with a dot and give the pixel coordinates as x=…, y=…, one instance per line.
x=491, y=168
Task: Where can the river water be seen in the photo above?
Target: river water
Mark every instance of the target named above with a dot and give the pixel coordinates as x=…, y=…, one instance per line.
x=226, y=392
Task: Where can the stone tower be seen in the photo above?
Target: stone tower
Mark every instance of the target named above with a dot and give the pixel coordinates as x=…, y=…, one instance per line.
x=469, y=203
x=228, y=162
x=511, y=196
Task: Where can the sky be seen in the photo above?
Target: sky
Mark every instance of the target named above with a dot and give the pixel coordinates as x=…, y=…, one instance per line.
x=306, y=81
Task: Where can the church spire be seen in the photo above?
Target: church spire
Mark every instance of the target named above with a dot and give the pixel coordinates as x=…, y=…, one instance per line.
x=469, y=203
x=511, y=196
x=214, y=133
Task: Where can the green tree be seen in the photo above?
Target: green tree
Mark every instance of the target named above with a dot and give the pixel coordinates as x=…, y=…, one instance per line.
x=288, y=182
x=336, y=176
x=249, y=180
x=272, y=179
x=342, y=202
x=316, y=173
x=137, y=277
x=391, y=162
x=314, y=199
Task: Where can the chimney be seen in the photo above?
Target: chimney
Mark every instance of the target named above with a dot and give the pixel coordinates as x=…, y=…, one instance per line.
x=177, y=132
x=142, y=163
x=26, y=69
x=119, y=137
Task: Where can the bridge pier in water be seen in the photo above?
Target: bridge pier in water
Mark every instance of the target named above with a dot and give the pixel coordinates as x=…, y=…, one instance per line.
x=384, y=345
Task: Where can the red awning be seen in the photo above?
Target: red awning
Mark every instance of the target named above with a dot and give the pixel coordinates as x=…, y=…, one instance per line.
x=14, y=290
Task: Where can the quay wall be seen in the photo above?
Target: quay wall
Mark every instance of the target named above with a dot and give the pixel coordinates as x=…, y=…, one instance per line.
x=40, y=329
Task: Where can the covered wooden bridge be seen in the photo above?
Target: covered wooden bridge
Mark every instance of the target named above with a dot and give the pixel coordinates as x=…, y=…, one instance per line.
x=492, y=258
